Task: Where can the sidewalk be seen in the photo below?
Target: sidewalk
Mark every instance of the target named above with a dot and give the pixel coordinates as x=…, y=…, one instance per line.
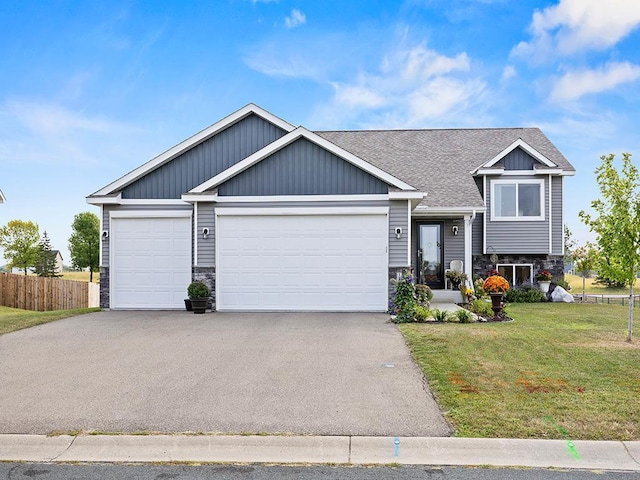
x=579, y=454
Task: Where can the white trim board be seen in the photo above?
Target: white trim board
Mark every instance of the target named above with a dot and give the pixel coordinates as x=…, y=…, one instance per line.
x=302, y=211
x=192, y=142
x=150, y=213
x=288, y=139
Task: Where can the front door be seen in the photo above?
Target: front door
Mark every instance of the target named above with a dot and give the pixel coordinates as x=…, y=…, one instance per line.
x=430, y=255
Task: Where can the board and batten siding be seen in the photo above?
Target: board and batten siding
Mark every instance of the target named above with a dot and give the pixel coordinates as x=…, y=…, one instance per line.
x=138, y=208
x=398, y=217
x=206, y=246
x=302, y=168
x=556, y=215
x=517, y=159
x=205, y=160
x=521, y=236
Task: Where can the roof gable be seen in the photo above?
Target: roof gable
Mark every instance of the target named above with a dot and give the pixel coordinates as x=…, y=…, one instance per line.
x=296, y=134
x=519, y=144
x=190, y=143
x=302, y=168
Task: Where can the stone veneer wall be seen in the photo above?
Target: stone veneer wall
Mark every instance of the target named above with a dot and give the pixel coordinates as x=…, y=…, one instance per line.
x=553, y=263
x=104, y=287
x=207, y=275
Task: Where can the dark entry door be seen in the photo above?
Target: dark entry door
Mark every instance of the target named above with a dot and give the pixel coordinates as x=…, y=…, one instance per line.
x=430, y=255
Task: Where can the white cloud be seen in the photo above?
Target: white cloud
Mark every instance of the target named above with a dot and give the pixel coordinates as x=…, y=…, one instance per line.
x=579, y=25
x=575, y=84
x=413, y=87
x=295, y=19
x=293, y=65
x=45, y=133
x=508, y=73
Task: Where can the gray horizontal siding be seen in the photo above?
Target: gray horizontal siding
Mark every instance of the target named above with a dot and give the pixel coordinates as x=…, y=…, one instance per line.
x=302, y=168
x=517, y=236
x=112, y=208
x=205, y=160
x=206, y=246
x=556, y=215
x=453, y=244
x=398, y=217
x=478, y=233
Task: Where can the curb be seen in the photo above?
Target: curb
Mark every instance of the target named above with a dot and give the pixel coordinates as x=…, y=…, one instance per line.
x=357, y=450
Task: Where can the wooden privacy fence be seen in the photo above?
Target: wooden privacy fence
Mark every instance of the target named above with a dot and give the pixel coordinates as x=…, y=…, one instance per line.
x=44, y=293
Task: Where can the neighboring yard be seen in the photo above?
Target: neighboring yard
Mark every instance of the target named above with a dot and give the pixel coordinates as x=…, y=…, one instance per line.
x=82, y=276
x=12, y=319
x=557, y=371
x=576, y=286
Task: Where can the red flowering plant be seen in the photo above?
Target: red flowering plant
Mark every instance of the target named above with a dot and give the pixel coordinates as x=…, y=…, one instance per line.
x=495, y=284
x=544, y=276
x=491, y=273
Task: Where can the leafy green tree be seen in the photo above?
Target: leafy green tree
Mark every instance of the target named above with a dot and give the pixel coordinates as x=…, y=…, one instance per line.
x=617, y=223
x=84, y=242
x=19, y=239
x=585, y=260
x=46, y=263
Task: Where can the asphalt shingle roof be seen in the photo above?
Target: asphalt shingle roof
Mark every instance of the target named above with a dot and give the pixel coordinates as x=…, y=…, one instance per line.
x=439, y=162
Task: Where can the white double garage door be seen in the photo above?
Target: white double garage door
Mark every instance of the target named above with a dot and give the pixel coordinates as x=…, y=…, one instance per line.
x=266, y=260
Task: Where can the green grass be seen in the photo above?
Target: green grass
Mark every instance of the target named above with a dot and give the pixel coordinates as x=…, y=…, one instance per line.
x=81, y=276
x=558, y=370
x=576, y=286
x=12, y=319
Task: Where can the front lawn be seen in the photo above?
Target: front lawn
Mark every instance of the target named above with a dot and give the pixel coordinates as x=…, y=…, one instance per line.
x=12, y=319
x=557, y=371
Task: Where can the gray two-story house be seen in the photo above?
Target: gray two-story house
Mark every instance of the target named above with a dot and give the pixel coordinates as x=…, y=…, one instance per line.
x=277, y=217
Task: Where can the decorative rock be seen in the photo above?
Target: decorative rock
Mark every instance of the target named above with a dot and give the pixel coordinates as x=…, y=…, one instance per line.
x=559, y=294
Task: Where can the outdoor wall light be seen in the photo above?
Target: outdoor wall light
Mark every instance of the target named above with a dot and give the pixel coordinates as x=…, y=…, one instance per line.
x=398, y=232
x=454, y=229
x=105, y=234
x=205, y=232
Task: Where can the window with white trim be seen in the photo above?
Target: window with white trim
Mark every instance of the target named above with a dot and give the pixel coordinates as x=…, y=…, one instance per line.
x=517, y=199
x=516, y=274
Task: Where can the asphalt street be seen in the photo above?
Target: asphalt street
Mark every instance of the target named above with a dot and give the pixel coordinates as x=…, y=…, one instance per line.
x=307, y=373
x=45, y=471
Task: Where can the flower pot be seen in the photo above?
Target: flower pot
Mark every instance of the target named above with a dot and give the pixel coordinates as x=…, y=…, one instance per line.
x=544, y=286
x=187, y=305
x=496, y=303
x=199, y=304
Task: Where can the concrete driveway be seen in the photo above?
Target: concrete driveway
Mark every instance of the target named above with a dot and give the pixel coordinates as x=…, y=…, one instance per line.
x=311, y=373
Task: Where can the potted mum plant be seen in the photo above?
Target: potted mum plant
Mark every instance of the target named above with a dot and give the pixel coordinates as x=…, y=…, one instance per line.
x=496, y=286
x=198, y=293
x=544, y=280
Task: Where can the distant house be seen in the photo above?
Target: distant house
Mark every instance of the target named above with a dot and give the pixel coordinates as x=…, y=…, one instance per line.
x=2, y=197
x=58, y=260
x=276, y=217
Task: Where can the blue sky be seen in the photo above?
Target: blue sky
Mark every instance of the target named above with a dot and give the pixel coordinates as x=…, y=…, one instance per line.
x=91, y=90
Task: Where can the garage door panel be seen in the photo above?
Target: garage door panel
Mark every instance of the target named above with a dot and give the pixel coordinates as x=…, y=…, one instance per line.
x=293, y=262
x=150, y=262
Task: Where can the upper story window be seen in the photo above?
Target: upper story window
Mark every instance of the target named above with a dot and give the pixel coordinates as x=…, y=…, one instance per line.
x=517, y=200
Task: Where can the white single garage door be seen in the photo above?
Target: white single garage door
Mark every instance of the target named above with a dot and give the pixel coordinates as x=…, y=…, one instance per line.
x=150, y=262
x=302, y=262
